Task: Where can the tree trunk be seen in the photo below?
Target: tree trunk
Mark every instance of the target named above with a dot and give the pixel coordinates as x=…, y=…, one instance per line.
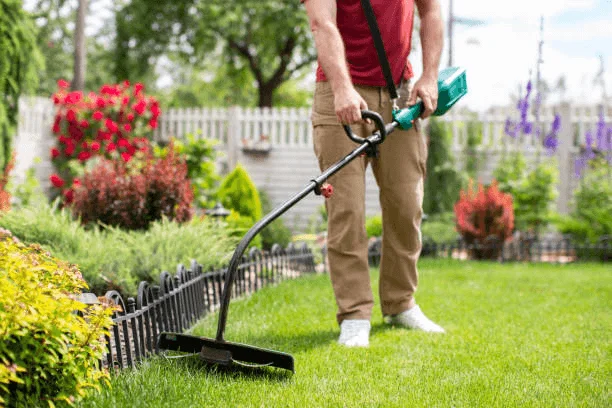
x=265, y=95
x=80, y=50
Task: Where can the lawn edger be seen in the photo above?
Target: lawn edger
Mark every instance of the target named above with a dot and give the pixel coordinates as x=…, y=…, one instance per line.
x=452, y=86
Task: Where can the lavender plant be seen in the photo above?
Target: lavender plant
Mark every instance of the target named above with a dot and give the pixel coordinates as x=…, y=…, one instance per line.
x=598, y=145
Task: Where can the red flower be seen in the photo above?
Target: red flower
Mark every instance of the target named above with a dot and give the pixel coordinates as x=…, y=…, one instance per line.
x=84, y=124
x=140, y=107
x=100, y=103
x=71, y=115
x=123, y=143
x=155, y=110
x=127, y=127
x=84, y=145
x=138, y=87
x=74, y=97
x=69, y=196
x=153, y=123
x=62, y=139
x=76, y=183
x=97, y=115
x=56, y=127
x=63, y=84
x=56, y=180
x=69, y=150
x=75, y=132
x=54, y=153
x=125, y=100
x=84, y=156
x=56, y=99
x=111, y=126
x=126, y=156
x=111, y=147
x=126, y=83
x=95, y=146
x=130, y=117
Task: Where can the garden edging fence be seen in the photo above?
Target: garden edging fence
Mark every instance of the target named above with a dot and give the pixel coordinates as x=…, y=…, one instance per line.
x=178, y=301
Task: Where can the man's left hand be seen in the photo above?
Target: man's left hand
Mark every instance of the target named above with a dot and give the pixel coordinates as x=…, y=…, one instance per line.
x=425, y=88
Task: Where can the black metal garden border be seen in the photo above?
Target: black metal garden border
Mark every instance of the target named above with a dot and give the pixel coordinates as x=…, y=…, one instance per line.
x=180, y=300
x=526, y=249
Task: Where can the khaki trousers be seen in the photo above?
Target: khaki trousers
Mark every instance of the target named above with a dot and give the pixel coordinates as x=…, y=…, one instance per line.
x=399, y=170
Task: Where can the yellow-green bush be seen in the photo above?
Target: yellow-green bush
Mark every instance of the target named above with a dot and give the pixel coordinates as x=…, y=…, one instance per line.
x=50, y=343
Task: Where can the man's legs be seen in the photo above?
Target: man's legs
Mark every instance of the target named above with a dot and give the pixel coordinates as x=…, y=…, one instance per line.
x=400, y=171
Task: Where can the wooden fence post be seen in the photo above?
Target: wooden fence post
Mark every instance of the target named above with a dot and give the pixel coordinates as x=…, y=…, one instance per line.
x=564, y=150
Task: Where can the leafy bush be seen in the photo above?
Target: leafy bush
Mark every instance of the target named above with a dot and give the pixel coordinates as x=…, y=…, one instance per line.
x=533, y=192
x=112, y=124
x=199, y=155
x=483, y=217
x=48, y=352
x=276, y=232
x=237, y=226
x=373, y=225
x=112, y=258
x=115, y=194
x=592, y=214
x=443, y=181
x=237, y=192
x=439, y=228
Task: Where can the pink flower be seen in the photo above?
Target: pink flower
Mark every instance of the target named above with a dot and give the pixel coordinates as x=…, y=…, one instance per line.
x=130, y=117
x=97, y=115
x=153, y=123
x=63, y=84
x=111, y=126
x=95, y=146
x=126, y=156
x=127, y=127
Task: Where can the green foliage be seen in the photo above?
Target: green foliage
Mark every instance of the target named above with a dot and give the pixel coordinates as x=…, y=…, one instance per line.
x=237, y=192
x=592, y=214
x=20, y=60
x=276, y=232
x=48, y=353
x=373, y=225
x=237, y=226
x=200, y=155
x=27, y=193
x=533, y=192
x=473, y=157
x=443, y=181
x=317, y=222
x=439, y=228
x=110, y=258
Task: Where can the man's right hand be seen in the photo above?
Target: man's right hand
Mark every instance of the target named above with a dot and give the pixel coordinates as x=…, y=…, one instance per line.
x=348, y=105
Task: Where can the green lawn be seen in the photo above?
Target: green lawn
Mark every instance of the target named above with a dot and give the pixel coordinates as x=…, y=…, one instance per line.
x=517, y=335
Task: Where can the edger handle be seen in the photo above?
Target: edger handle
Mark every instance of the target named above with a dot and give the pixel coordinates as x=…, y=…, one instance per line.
x=378, y=121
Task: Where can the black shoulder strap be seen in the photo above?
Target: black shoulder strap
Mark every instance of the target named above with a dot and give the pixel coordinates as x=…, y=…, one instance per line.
x=380, y=47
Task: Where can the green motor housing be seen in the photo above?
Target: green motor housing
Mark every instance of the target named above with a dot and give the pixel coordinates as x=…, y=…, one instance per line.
x=452, y=86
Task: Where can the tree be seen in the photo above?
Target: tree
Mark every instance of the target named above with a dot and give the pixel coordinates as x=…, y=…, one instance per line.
x=80, y=50
x=270, y=39
x=20, y=61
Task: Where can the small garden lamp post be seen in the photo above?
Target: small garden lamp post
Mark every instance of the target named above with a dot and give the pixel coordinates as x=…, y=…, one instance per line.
x=218, y=212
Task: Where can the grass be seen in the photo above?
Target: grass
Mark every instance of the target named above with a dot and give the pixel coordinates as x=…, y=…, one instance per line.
x=517, y=335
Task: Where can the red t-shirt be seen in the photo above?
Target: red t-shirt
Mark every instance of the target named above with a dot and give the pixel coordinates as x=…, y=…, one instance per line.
x=395, y=19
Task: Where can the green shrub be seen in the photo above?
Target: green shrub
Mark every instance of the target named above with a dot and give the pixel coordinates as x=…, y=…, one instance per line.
x=317, y=222
x=237, y=192
x=439, y=228
x=111, y=258
x=276, y=232
x=443, y=181
x=592, y=214
x=533, y=192
x=237, y=225
x=373, y=226
x=48, y=353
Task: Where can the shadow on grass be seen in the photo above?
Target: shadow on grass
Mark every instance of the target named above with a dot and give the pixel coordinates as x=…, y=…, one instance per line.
x=294, y=343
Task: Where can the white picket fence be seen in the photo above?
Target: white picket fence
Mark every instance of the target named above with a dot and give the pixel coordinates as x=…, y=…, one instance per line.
x=275, y=145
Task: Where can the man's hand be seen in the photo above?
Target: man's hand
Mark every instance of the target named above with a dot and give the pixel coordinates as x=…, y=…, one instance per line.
x=348, y=105
x=425, y=88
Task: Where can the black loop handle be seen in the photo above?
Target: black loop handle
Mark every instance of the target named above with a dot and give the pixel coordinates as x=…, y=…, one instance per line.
x=378, y=121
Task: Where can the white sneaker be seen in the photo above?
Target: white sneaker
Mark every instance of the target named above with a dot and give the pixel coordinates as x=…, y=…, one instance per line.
x=415, y=319
x=355, y=333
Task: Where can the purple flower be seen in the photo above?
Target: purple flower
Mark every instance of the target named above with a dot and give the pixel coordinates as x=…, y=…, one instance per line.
x=556, y=125
x=527, y=127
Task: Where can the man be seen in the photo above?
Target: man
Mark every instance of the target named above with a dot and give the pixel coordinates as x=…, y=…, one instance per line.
x=349, y=79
